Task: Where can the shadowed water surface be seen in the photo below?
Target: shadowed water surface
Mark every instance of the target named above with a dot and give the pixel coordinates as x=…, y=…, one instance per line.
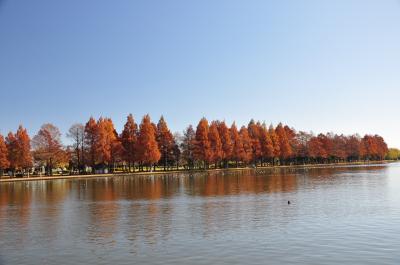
x=346, y=215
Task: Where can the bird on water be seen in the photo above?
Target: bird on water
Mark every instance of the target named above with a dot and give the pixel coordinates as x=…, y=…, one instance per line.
x=288, y=202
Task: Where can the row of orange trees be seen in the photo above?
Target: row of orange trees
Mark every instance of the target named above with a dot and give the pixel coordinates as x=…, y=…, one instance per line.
x=97, y=145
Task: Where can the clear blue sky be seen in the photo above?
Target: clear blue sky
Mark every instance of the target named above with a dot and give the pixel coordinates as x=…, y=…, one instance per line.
x=315, y=65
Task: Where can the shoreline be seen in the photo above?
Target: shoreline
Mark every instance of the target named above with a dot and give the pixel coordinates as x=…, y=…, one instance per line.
x=137, y=173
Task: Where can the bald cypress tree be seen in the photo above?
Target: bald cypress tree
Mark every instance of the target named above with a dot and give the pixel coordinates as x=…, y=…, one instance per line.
x=4, y=163
x=147, y=146
x=284, y=144
x=247, y=145
x=254, y=134
x=108, y=143
x=267, y=147
x=226, y=142
x=25, y=160
x=275, y=143
x=237, y=145
x=215, y=144
x=202, y=149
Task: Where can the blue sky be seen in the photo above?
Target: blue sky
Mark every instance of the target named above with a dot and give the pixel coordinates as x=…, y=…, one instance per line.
x=315, y=65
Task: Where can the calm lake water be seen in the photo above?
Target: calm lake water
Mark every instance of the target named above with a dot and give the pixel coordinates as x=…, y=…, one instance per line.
x=343, y=215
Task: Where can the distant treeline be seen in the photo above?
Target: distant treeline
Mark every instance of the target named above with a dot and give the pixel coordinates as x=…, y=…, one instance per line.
x=97, y=146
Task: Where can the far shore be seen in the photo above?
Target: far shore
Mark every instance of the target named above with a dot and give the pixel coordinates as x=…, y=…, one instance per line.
x=141, y=173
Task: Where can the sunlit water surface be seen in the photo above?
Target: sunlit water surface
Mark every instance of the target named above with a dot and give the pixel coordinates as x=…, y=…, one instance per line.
x=343, y=215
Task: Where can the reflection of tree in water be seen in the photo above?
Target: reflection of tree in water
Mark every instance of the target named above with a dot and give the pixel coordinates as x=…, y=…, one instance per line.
x=33, y=207
x=239, y=182
x=333, y=173
x=151, y=187
x=234, y=199
x=149, y=222
x=103, y=211
x=18, y=195
x=146, y=211
x=131, y=207
x=149, y=217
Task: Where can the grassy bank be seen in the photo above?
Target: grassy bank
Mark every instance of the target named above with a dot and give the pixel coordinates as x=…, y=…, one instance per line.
x=308, y=166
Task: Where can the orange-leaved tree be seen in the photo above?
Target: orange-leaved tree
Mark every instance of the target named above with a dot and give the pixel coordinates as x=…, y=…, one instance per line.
x=267, y=147
x=4, y=163
x=47, y=148
x=316, y=149
x=147, y=146
x=237, y=145
x=374, y=146
x=202, y=149
x=108, y=145
x=247, y=145
x=284, y=144
x=353, y=147
x=254, y=132
x=19, y=150
x=275, y=142
x=225, y=137
x=217, y=152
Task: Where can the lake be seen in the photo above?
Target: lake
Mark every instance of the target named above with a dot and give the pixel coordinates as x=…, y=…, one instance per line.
x=337, y=215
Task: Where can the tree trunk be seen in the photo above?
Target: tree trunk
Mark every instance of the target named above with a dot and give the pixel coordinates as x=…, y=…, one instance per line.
x=165, y=160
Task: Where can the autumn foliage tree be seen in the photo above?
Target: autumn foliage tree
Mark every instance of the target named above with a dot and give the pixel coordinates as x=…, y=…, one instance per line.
x=217, y=153
x=374, y=147
x=285, y=149
x=316, y=149
x=225, y=138
x=238, y=152
x=4, y=163
x=292, y=138
x=247, y=145
x=202, y=149
x=48, y=150
x=98, y=144
x=147, y=146
x=108, y=148
x=339, y=147
x=267, y=146
x=19, y=150
x=12, y=151
x=353, y=147
x=275, y=143
x=328, y=145
x=253, y=130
